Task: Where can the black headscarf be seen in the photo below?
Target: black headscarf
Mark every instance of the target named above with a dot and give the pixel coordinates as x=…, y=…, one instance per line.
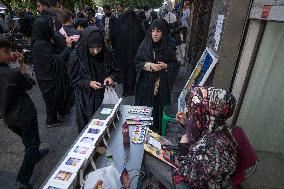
x=95, y=39
x=146, y=53
x=91, y=37
x=41, y=30
x=152, y=52
x=148, y=45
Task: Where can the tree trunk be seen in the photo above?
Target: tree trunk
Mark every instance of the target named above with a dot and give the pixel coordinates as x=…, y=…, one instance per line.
x=198, y=31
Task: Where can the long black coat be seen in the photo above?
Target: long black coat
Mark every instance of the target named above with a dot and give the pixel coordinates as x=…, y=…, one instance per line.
x=52, y=76
x=51, y=71
x=129, y=37
x=145, y=96
x=83, y=68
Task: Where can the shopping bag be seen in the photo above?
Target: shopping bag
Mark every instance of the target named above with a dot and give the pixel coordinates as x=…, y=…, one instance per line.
x=110, y=96
x=108, y=176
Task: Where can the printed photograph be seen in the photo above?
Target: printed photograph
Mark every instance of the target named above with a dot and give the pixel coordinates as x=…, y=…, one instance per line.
x=73, y=161
x=93, y=131
x=81, y=150
x=51, y=187
x=99, y=123
x=87, y=140
x=63, y=176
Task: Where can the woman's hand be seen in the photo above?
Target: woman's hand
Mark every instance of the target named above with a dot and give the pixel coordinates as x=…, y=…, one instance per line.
x=155, y=67
x=180, y=117
x=108, y=81
x=95, y=85
x=162, y=65
x=24, y=68
x=69, y=41
x=184, y=139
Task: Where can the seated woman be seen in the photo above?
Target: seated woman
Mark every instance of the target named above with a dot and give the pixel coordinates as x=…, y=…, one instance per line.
x=90, y=67
x=207, y=152
x=157, y=68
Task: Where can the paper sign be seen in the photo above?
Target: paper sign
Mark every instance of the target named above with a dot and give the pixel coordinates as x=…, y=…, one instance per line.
x=218, y=31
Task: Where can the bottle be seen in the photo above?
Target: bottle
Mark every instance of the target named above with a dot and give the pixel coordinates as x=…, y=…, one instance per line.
x=125, y=133
x=110, y=160
x=124, y=178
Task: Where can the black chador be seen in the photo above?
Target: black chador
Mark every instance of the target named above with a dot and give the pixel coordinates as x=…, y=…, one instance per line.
x=154, y=89
x=51, y=72
x=84, y=68
x=130, y=34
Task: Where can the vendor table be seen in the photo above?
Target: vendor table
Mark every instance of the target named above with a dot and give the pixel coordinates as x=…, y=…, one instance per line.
x=132, y=155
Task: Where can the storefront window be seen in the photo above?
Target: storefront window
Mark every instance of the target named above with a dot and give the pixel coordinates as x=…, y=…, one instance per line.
x=262, y=113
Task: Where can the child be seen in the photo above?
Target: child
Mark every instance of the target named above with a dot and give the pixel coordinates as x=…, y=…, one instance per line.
x=19, y=112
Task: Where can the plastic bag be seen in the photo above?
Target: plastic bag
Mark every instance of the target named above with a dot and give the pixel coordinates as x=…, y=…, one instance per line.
x=110, y=96
x=109, y=175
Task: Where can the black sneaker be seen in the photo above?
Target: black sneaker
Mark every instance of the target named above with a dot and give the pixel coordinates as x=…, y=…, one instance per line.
x=42, y=153
x=51, y=124
x=20, y=185
x=61, y=118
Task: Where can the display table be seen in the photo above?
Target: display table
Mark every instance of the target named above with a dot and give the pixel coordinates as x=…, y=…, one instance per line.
x=133, y=156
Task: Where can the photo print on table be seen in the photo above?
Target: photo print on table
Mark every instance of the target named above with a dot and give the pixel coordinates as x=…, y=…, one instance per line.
x=51, y=187
x=73, y=161
x=81, y=150
x=97, y=123
x=93, y=131
x=87, y=140
x=63, y=176
x=106, y=111
x=54, y=185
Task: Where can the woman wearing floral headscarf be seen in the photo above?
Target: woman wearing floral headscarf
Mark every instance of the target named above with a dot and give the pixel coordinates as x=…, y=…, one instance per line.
x=207, y=152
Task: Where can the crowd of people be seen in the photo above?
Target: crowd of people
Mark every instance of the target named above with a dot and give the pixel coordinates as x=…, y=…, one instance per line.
x=75, y=56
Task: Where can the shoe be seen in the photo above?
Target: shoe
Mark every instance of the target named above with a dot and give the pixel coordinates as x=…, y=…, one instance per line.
x=20, y=185
x=61, y=118
x=42, y=153
x=51, y=124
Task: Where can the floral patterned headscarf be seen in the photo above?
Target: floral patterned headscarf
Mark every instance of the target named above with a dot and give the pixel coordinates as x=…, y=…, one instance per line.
x=209, y=108
x=211, y=154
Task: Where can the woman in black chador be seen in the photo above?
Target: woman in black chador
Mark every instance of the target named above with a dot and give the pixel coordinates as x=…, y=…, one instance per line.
x=129, y=37
x=157, y=68
x=90, y=67
x=51, y=72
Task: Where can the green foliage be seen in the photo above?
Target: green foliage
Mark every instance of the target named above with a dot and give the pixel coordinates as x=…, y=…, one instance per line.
x=132, y=3
x=70, y=4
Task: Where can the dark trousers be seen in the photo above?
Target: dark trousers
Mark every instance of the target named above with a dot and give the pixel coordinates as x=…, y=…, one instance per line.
x=184, y=34
x=30, y=138
x=48, y=91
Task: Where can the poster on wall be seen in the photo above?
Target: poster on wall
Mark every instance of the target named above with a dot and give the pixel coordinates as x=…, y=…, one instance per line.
x=199, y=75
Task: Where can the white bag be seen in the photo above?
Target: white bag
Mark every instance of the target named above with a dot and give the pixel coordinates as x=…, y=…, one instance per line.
x=109, y=175
x=110, y=96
